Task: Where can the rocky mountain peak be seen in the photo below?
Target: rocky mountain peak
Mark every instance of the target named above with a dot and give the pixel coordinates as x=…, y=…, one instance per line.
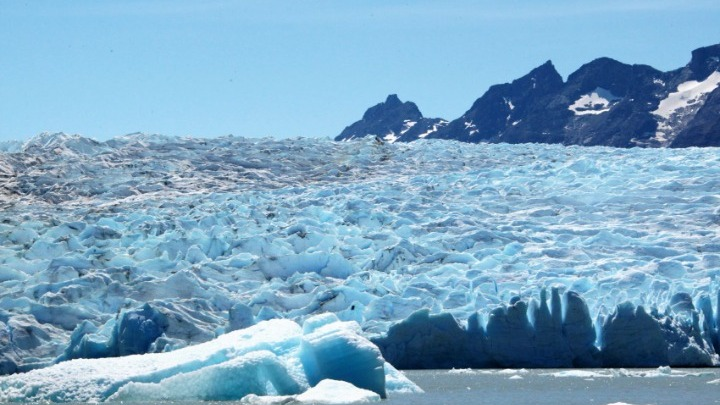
x=704, y=61
x=391, y=108
x=605, y=102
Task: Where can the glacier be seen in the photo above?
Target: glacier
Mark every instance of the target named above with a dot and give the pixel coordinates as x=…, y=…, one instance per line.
x=446, y=254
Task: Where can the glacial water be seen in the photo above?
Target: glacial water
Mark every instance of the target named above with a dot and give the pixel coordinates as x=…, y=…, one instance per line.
x=538, y=387
x=597, y=386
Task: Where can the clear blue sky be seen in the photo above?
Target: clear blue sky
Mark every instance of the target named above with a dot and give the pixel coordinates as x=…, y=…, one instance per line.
x=303, y=68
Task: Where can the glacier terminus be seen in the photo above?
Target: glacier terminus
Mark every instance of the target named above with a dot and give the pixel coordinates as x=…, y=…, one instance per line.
x=175, y=259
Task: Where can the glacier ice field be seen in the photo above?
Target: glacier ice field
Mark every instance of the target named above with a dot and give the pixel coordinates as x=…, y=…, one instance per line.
x=445, y=254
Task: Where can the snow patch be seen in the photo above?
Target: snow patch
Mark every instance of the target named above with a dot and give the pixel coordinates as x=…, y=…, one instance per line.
x=681, y=105
x=391, y=137
x=407, y=125
x=434, y=129
x=687, y=93
x=509, y=103
x=596, y=102
x=471, y=128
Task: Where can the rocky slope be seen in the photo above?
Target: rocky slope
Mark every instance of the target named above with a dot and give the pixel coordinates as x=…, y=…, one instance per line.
x=604, y=102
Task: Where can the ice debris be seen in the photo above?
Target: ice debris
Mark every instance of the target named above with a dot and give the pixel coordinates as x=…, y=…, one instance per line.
x=660, y=372
x=276, y=358
x=330, y=392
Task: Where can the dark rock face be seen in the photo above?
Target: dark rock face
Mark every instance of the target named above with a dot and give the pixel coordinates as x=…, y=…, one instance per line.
x=604, y=102
x=393, y=121
x=704, y=62
x=704, y=130
x=503, y=107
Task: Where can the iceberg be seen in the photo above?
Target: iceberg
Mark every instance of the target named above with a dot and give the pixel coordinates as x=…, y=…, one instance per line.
x=330, y=392
x=272, y=358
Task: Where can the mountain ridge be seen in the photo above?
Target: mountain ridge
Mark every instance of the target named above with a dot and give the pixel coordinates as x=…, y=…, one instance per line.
x=604, y=102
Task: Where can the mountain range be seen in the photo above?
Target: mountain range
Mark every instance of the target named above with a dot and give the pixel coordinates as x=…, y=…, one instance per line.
x=604, y=102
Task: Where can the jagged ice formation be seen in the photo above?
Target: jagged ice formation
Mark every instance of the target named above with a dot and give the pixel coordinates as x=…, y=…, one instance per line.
x=147, y=244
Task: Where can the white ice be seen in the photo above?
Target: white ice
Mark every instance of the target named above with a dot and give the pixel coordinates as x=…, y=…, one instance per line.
x=660, y=372
x=407, y=125
x=271, y=358
x=687, y=93
x=471, y=128
x=682, y=104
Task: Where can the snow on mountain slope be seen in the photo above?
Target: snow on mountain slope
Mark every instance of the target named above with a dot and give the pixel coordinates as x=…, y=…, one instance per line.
x=680, y=106
x=433, y=129
x=597, y=102
x=215, y=234
x=603, y=103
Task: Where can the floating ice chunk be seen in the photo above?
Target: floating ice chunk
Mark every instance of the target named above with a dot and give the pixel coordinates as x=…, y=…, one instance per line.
x=461, y=371
x=512, y=371
x=260, y=373
x=270, y=358
x=397, y=383
x=336, y=392
x=326, y=392
x=581, y=374
x=336, y=351
x=660, y=372
x=621, y=403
